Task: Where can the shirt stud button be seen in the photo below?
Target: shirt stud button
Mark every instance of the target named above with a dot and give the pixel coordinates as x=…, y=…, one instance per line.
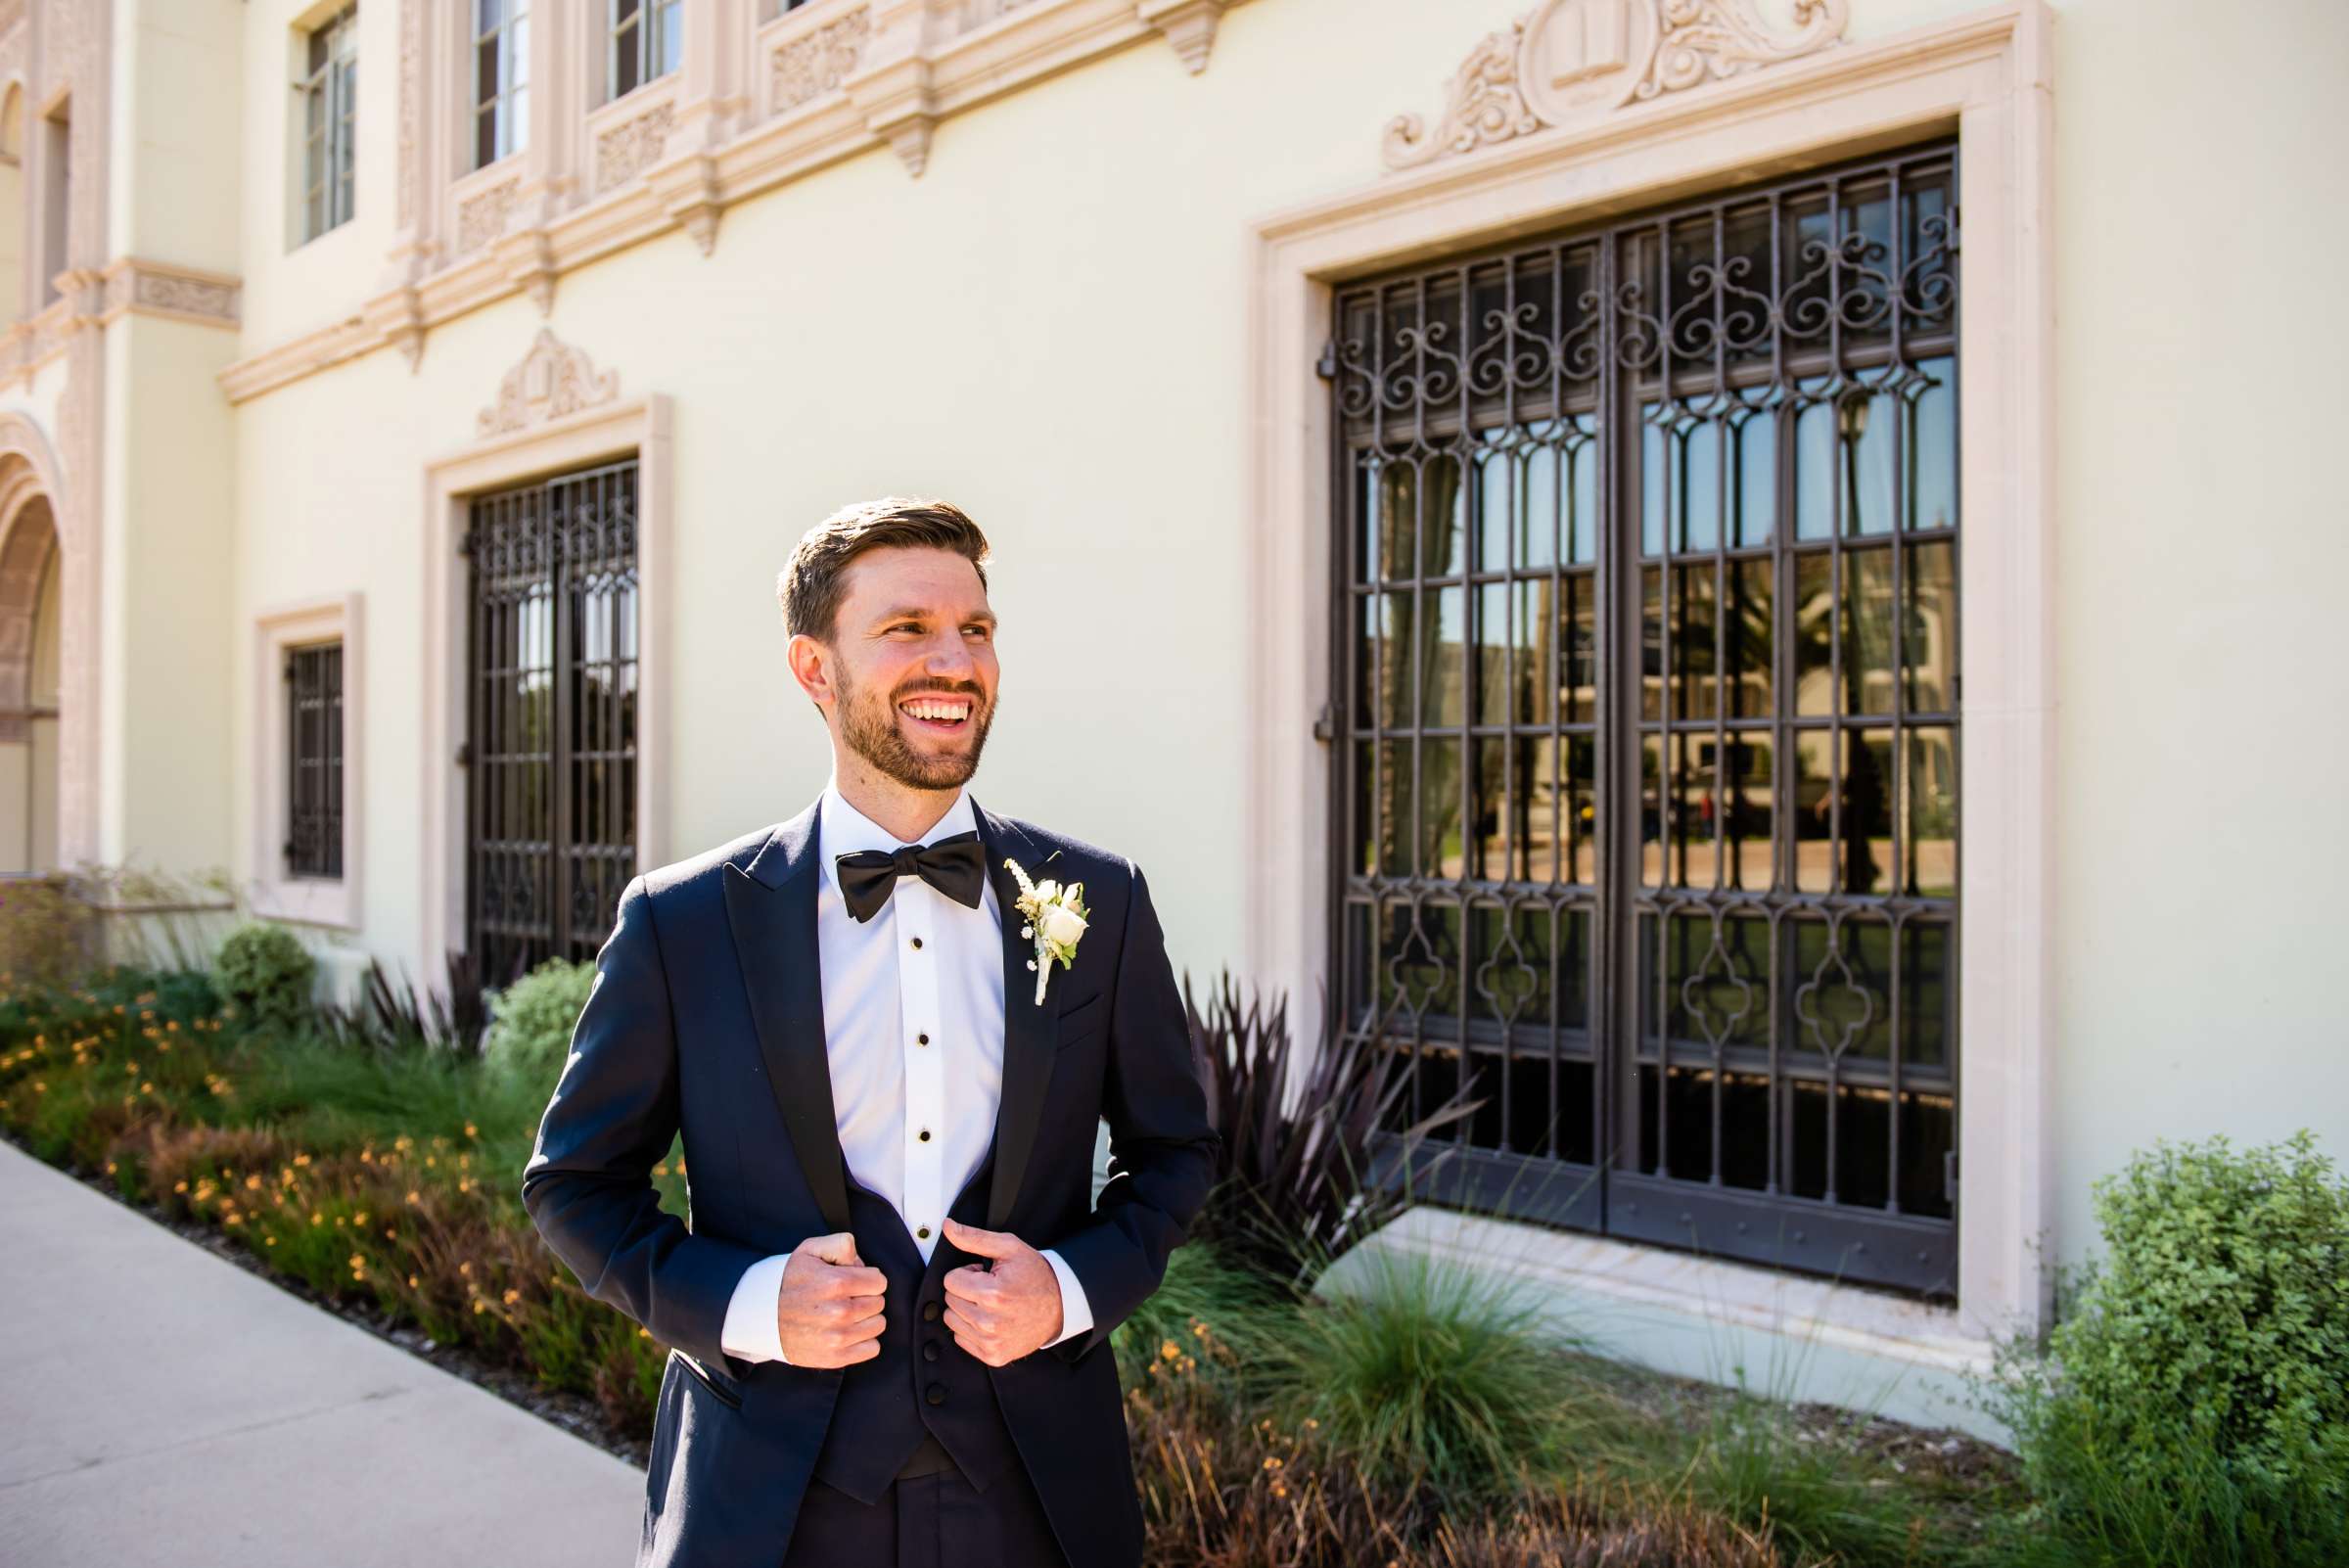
x=917, y=942
x=923, y=1233
x=921, y=1040
x=925, y=1135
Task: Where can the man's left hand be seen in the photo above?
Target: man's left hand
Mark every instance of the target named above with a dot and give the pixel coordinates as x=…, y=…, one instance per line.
x=1001, y=1314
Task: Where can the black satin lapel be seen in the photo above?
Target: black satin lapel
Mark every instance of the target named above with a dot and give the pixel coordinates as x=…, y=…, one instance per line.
x=1028, y=1028
x=774, y=937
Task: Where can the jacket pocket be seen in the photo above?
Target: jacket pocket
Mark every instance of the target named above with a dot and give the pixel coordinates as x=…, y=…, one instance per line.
x=1084, y=1018
x=701, y=1374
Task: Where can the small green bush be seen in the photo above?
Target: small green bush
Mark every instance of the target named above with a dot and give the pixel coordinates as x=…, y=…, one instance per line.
x=1430, y=1373
x=2192, y=1405
x=531, y=1036
x=267, y=972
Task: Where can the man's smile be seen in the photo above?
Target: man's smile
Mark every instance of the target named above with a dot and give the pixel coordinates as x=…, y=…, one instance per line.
x=947, y=715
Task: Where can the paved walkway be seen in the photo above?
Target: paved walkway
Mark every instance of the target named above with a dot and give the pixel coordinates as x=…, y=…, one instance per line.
x=161, y=1406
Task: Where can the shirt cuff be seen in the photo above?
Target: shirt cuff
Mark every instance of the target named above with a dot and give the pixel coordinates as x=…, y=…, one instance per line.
x=1076, y=1314
x=751, y=1329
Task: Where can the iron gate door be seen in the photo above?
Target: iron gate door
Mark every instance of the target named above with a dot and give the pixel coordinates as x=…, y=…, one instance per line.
x=551, y=723
x=1644, y=792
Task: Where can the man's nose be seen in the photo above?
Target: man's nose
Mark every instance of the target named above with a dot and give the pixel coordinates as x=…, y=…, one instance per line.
x=949, y=659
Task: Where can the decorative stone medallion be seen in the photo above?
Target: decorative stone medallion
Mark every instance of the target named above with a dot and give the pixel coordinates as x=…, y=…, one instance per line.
x=1568, y=61
x=552, y=380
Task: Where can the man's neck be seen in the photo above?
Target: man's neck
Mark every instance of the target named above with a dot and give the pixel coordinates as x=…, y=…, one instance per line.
x=904, y=812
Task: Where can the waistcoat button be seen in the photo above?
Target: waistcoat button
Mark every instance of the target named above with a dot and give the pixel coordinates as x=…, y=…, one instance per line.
x=935, y=1394
x=932, y=1311
x=930, y=1351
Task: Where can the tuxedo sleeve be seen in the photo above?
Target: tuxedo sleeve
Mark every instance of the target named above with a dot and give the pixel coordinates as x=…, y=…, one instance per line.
x=614, y=1113
x=1162, y=1148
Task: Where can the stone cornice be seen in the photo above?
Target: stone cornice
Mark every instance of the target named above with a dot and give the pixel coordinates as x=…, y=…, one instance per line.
x=136, y=285
x=894, y=101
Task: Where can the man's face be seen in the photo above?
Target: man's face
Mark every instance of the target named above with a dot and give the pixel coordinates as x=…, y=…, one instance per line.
x=914, y=665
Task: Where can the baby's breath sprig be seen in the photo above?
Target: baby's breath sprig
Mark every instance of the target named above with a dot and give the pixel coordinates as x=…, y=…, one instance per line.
x=1056, y=918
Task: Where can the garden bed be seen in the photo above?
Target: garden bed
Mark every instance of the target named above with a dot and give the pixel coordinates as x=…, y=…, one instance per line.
x=1427, y=1424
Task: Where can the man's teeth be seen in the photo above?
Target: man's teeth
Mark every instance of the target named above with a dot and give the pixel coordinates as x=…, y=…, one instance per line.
x=943, y=711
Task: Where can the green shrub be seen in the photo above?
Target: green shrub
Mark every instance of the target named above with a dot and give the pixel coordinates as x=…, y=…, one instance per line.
x=267, y=972
x=530, y=1035
x=2191, y=1403
x=1429, y=1374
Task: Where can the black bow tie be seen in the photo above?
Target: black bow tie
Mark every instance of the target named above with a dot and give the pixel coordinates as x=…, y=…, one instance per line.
x=955, y=865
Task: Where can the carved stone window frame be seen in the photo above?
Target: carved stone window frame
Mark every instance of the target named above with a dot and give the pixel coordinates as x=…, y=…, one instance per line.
x=555, y=413
x=335, y=901
x=1986, y=74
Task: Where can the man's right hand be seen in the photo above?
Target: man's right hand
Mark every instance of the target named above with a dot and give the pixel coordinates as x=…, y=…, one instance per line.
x=828, y=1308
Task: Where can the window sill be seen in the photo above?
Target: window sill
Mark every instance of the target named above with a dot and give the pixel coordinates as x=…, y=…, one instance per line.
x=1814, y=1312
x=306, y=901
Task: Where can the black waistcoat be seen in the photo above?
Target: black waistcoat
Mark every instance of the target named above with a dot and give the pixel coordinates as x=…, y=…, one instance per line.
x=922, y=1380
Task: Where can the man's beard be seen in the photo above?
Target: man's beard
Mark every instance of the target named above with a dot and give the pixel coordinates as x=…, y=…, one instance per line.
x=869, y=724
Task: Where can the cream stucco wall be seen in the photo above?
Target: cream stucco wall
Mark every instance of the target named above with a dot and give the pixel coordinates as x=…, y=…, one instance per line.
x=292, y=286
x=1051, y=326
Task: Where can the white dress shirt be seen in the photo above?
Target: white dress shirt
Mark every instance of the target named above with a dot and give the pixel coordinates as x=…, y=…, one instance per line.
x=915, y=1119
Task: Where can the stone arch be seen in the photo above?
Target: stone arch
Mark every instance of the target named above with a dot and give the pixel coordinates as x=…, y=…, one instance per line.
x=48, y=771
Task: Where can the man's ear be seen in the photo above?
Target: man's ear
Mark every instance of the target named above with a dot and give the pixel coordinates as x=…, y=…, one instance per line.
x=806, y=658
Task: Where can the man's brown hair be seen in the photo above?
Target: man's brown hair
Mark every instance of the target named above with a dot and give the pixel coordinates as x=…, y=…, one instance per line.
x=809, y=586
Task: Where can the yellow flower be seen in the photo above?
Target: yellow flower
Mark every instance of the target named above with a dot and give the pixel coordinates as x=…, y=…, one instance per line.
x=469, y=1130
x=513, y=1296
x=357, y=1262
x=411, y=1281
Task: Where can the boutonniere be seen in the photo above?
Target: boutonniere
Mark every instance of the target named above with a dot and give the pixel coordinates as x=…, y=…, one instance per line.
x=1056, y=916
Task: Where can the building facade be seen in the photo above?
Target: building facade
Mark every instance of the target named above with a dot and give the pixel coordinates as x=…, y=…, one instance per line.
x=1721, y=572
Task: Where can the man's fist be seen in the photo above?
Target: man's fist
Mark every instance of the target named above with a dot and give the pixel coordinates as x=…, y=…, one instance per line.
x=828, y=1311
x=1001, y=1314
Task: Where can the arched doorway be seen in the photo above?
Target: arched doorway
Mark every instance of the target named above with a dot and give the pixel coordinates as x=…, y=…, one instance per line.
x=29, y=669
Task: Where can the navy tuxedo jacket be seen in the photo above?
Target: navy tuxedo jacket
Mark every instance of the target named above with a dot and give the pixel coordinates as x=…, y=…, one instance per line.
x=706, y=1017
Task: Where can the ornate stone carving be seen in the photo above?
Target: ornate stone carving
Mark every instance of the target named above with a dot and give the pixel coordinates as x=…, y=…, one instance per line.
x=131, y=284
x=186, y=296
x=483, y=217
x=411, y=56
x=1571, y=61
x=813, y=63
x=552, y=380
x=627, y=149
x=979, y=13
x=1718, y=39
x=1189, y=25
x=1483, y=106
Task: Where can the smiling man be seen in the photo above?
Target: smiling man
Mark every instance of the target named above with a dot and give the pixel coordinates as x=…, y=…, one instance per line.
x=889, y=1318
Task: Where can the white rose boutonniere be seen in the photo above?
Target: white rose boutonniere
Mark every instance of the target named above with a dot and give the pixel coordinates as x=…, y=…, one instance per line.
x=1055, y=919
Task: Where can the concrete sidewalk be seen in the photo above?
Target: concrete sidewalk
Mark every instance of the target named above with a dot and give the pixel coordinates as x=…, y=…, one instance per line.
x=160, y=1405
